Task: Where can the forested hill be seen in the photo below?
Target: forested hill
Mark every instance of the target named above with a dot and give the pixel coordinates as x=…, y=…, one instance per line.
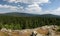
x=29, y=15
x=20, y=14
x=19, y=22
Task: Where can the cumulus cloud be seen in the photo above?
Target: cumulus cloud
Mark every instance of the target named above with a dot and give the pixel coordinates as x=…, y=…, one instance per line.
x=34, y=8
x=56, y=11
x=8, y=7
x=12, y=8
x=28, y=1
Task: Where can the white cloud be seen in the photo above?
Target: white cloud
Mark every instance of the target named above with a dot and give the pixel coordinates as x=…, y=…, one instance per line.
x=56, y=11
x=34, y=8
x=8, y=7
x=13, y=8
x=28, y=1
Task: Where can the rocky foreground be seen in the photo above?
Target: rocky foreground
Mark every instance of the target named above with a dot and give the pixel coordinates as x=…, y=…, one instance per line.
x=40, y=31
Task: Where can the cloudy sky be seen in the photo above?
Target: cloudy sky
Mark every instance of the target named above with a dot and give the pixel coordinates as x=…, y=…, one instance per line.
x=31, y=6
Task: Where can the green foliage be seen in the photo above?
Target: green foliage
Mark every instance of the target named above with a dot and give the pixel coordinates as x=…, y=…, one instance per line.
x=14, y=22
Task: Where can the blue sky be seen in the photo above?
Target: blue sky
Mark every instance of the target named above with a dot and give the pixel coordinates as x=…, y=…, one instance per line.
x=31, y=6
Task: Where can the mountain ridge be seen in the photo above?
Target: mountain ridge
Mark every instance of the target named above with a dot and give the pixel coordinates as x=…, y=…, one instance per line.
x=29, y=15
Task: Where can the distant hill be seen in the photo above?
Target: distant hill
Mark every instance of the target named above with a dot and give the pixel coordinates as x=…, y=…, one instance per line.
x=20, y=14
x=29, y=15
x=50, y=15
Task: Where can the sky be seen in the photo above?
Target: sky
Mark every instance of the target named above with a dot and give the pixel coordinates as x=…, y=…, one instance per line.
x=31, y=6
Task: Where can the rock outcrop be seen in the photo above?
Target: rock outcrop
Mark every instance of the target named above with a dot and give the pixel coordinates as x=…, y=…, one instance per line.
x=40, y=31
